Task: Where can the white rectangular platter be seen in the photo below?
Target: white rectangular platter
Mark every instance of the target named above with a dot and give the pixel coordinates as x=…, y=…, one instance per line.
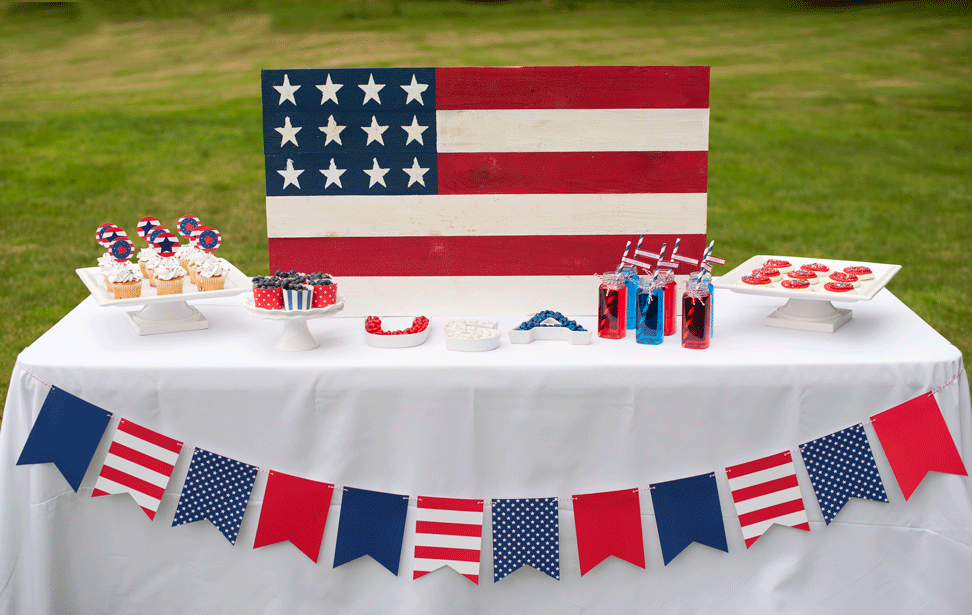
x=236, y=283
x=865, y=292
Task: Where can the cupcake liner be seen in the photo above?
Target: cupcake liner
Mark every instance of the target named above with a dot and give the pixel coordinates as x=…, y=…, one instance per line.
x=268, y=298
x=169, y=287
x=297, y=299
x=127, y=290
x=324, y=296
x=214, y=283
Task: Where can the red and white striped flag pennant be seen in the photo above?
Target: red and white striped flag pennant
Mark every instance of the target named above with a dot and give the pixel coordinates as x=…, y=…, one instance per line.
x=765, y=492
x=139, y=462
x=448, y=532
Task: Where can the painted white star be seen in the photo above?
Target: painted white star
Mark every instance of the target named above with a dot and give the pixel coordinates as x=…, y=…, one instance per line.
x=332, y=130
x=286, y=91
x=329, y=90
x=377, y=174
x=415, y=91
x=333, y=175
x=288, y=132
x=414, y=131
x=374, y=131
x=416, y=173
x=291, y=174
x=371, y=89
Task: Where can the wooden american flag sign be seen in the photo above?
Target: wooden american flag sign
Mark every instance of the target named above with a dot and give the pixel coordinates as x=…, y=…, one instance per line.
x=499, y=190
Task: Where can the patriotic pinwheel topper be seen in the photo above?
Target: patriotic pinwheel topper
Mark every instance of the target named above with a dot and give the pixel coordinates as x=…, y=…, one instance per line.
x=121, y=250
x=187, y=224
x=166, y=243
x=101, y=231
x=207, y=238
x=145, y=225
x=111, y=234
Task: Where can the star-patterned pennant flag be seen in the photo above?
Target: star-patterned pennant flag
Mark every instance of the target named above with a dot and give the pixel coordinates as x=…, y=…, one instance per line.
x=766, y=492
x=294, y=509
x=371, y=523
x=140, y=463
x=217, y=488
x=526, y=531
x=687, y=510
x=916, y=441
x=66, y=433
x=841, y=467
x=608, y=524
x=443, y=180
x=448, y=533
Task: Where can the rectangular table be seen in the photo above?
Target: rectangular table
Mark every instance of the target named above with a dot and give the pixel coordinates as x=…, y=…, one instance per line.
x=540, y=420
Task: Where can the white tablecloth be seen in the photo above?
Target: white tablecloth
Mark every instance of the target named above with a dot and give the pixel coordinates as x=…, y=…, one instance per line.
x=539, y=420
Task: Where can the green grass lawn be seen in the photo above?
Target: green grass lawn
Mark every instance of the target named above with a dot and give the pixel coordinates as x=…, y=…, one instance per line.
x=839, y=132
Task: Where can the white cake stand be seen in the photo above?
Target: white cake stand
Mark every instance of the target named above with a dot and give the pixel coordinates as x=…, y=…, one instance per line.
x=296, y=336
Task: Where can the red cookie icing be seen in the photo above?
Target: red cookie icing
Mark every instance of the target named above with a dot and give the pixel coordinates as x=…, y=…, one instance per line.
x=802, y=274
x=767, y=272
x=838, y=287
x=840, y=276
x=777, y=264
x=756, y=280
x=818, y=267
x=795, y=284
x=858, y=270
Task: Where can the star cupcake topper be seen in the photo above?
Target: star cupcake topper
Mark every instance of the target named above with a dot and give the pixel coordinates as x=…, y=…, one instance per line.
x=208, y=238
x=187, y=224
x=145, y=225
x=166, y=243
x=121, y=250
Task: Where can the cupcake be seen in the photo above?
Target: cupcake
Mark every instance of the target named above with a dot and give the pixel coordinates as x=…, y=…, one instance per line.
x=144, y=256
x=266, y=292
x=126, y=282
x=168, y=275
x=183, y=254
x=296, y=295
x=325, y=289
x=211, y=274
x=196, y=258
x=106, y=265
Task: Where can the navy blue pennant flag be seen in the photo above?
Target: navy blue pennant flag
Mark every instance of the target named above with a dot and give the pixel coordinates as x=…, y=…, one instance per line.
x=217, y=488
x=66, y=433
x=526, y=531
x=841, y=467
x=687, y=510
x=371, y=523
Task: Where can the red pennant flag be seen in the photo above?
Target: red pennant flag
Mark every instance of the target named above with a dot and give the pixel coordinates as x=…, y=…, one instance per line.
x=916, y=441
x=294, y=509
x=608, y=524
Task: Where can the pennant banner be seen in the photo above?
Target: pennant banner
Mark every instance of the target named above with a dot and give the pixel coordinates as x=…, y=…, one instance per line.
x=294, y=509
x=841, y=466
x=448, y=532
x=139, y=462
x=766, y=491
x=371, y=523
x=687, y=510
x=218, y=489
x=608, y=524
x=526, y=531
x=66, y=433
x=916, y=441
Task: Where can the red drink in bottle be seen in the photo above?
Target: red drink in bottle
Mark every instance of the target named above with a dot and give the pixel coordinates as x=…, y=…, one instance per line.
x=612, y=302
x=696, y=323
x=667, y=277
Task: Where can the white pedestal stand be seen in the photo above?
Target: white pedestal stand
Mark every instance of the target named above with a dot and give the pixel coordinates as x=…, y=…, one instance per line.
x=168, y=317
x=296, y=337
x=809, y=315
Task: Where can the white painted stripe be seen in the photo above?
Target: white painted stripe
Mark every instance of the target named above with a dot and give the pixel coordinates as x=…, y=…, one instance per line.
x=748, y=480
x=770, y=499
x=428, y=565
x=572, y=130
x=146, y=447
x=485, y=214
x=470, y=517
x=143, y=500
x=521, y=295
x=758, y=529
x=136, y=470
x=473, y=543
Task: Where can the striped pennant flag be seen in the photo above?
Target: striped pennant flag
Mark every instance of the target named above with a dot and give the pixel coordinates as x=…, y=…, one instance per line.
x=448, y=532
x=519, y=182
x=765, y=492
x=139, y=462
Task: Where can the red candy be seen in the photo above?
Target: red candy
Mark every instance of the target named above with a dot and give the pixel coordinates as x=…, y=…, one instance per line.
x=373, y=326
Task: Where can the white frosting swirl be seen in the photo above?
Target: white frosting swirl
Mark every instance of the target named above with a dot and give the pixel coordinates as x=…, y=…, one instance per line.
x=168, y=269
x=147, y=254
x=106, y=263
x=125, y=274
x=213, y=267
x=183, y=252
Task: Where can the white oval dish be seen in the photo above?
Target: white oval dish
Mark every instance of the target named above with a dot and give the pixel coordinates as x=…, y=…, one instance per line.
x=406, y=340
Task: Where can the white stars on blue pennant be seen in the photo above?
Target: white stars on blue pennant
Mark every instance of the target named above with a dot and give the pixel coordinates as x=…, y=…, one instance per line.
x=841, y=466
x=349, y=131
x=217, y=488
x=526, y=531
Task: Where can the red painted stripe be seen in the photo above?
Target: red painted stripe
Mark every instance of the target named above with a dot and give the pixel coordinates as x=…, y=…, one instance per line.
x=759, y=464
x=450, y=529
x=136, y=484
x=169, y=444
x=98, y=492
x=149, y=512
x=463, y=255
x=750, y=541
x=770, y=486
x=140, y=458
x=802, y=526
x=771, y=512
x=416, y=574
x=573, y=87
x=572, y=172
x=450, y=504
x=472, y=577
x=445, y=553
